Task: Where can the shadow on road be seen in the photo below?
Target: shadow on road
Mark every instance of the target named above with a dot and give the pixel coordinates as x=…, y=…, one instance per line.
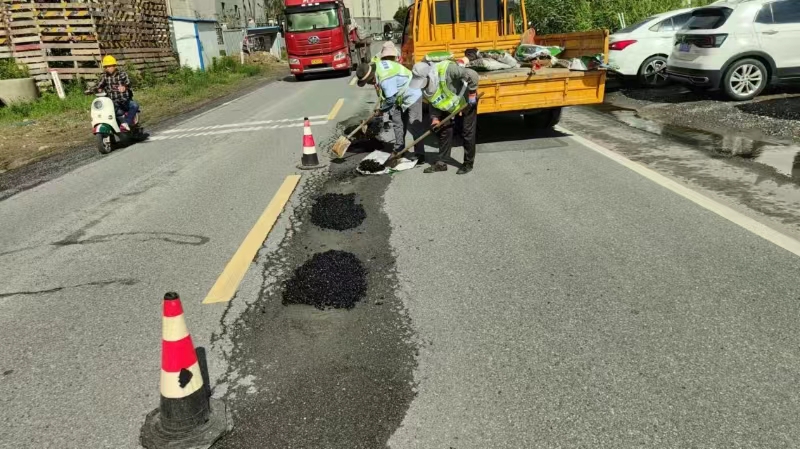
x=496, y=128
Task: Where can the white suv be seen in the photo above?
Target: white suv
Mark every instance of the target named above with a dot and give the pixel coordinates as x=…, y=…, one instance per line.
x=738, y=46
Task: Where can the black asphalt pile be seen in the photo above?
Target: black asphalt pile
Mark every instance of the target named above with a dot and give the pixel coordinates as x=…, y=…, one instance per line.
x=337, y=211
x=333, y=279
x=371, y=166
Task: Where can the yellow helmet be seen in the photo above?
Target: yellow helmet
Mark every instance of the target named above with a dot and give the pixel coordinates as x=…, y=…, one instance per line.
x=109, y=61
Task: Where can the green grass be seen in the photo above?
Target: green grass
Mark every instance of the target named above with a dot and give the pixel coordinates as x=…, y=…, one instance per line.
x=9, y=70
x=178, y=85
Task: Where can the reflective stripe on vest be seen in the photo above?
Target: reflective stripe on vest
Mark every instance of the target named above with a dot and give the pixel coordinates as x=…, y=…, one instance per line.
x=443, y=99
x=389, y=69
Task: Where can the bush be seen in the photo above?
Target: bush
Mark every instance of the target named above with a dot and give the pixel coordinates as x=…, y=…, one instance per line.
x=9, y=70
x=565, y=16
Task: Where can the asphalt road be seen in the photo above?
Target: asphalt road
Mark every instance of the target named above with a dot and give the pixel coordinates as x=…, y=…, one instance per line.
x=551, y=298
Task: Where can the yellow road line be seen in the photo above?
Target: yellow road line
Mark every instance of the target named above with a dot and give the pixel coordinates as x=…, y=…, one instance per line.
x=228, y=282
x=335, y=109
x=353, y=81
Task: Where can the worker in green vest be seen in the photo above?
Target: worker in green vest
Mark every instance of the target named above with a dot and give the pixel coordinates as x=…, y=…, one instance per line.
x=402, y=102
x=447, y=86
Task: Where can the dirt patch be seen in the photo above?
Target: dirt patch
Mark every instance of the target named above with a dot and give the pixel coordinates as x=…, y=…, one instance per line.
x=337, y=211
x=333, y=279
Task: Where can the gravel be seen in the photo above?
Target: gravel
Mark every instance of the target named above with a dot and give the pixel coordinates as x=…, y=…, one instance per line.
x=333, y=279
x=337, y=211
x=371, y=166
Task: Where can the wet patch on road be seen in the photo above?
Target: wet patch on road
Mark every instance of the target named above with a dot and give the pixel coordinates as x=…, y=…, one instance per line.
x=334, y=279
x=330, y=377
x=758, y=187
x=338, y=212
x=780, y=159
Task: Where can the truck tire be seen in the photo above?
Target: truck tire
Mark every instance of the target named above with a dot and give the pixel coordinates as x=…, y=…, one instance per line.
x=543, y=119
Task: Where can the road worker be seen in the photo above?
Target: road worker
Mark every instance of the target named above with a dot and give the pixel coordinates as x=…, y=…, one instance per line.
x=446, y=86
x=402, y=102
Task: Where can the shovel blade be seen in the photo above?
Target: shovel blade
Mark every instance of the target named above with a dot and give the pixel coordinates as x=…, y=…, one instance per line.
x=340, y=147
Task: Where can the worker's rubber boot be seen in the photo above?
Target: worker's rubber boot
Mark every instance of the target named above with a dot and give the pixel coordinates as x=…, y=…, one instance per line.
x=437, y=167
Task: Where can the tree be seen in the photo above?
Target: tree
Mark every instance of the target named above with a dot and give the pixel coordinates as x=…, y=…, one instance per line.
x=400, y=14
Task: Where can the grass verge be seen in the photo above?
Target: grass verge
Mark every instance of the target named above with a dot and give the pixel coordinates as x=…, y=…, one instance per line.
x=32, y=131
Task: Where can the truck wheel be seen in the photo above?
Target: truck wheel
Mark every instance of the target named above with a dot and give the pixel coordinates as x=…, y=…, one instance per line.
x=544, y=119
x=300, y=77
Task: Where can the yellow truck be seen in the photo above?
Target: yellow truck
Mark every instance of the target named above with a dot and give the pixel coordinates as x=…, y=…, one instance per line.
x=458, y=25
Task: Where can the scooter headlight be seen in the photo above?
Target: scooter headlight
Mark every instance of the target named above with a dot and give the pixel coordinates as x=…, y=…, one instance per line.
x=97, y=104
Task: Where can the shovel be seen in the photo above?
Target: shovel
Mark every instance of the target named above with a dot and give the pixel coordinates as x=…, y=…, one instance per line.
x=343, y=143
x=392, y=161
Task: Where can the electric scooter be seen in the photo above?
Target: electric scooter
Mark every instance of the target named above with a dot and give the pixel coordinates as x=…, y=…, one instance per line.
x=105, y=125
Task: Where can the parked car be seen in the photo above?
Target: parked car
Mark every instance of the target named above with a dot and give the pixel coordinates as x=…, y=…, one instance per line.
x=738, y=46
x=641, y=50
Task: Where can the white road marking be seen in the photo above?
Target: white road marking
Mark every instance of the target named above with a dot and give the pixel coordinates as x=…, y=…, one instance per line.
x=242, y=124
x=782, y=240
x=243, y=127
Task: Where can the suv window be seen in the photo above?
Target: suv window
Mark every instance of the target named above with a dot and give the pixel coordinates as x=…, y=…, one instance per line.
x=786, y=11
x=765, y=15
x=708, y=18
x=680, y=20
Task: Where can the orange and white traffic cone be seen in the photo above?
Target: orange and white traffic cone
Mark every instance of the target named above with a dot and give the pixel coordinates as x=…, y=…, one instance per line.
x=310, y=160
x=186, y=417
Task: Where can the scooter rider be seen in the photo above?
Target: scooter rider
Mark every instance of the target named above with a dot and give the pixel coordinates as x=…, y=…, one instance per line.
x=117, y=85
x=402, y=102
x=444, y=85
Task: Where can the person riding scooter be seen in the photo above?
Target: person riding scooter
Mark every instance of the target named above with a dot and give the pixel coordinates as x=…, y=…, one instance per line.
x=117, y=85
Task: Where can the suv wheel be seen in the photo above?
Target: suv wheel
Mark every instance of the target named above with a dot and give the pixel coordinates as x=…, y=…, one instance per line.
x=653, y=72
x=745, y=79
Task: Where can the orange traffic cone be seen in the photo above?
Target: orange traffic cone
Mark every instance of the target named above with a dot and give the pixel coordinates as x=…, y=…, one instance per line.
x=310, y=160
x=186, y=417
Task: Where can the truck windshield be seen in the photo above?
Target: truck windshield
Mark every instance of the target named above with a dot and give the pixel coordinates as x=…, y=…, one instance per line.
x=312, y=20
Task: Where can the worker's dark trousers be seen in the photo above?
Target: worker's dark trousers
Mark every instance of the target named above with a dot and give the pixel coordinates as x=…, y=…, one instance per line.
x=468, y=122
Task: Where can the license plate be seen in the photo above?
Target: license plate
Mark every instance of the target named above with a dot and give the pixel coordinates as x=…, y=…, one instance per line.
x=685, y=47
x=316, y=61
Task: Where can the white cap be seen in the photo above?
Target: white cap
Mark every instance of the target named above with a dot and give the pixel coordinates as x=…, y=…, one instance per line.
x=420, y=71
x=388, y=49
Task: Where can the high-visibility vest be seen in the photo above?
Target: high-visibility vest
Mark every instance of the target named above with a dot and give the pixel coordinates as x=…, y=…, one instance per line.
x=389, y=69
x=444, y=99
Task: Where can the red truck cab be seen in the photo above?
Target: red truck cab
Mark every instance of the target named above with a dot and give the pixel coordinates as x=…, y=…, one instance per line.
x=317, y=37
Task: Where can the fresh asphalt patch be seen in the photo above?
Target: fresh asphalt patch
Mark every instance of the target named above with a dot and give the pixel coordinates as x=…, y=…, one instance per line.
x=371, y=166
x=333, y=378
x=337, y=211
x=331, y=279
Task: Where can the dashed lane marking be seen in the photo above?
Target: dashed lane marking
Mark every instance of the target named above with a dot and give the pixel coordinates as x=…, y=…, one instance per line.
x=228, y=282
x=759, y=229
x=353, y=81
x=243, y=128
x=335, y=109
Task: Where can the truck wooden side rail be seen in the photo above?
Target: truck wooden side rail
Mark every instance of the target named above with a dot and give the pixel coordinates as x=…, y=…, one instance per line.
x=457, y=25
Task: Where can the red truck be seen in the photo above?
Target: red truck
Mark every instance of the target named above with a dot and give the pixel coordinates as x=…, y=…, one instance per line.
x=320, y=38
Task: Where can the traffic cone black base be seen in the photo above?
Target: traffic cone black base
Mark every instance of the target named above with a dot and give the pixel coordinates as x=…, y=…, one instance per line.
x=218, y=423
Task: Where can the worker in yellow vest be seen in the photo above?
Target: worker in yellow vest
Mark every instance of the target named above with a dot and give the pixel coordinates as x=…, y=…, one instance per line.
x=402, y=102
x=447, y=86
